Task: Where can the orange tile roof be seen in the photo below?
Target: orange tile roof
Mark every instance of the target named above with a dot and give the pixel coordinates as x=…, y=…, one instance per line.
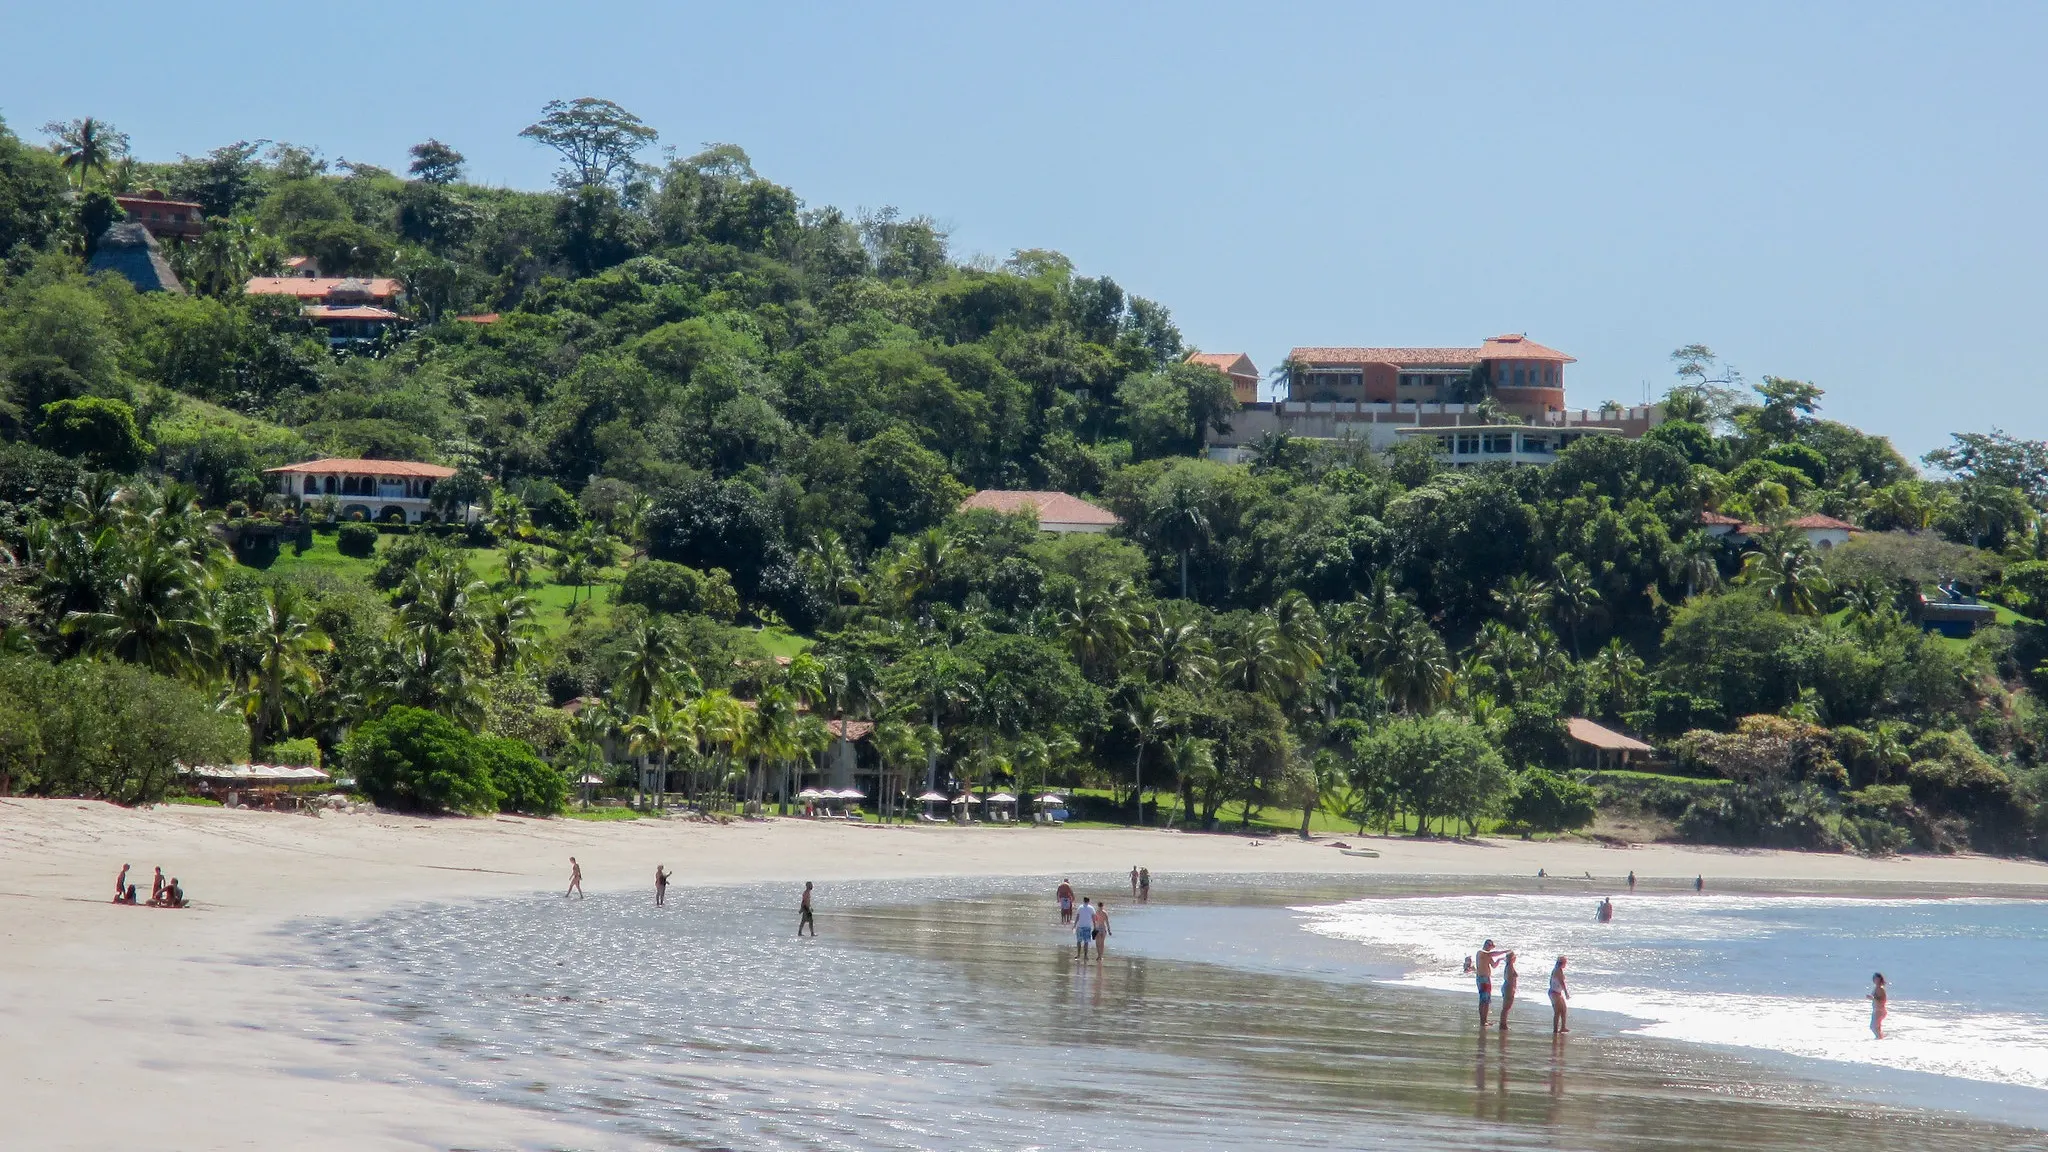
x=855, y=729
x=320, y=287
x=1223, y=361
x=1717, y=518
x=1505, y=347
x=367, y=468
x=1812, y=523
x=1052, y=507
x=480, y=318
x=1586, y=732
x=348, y=312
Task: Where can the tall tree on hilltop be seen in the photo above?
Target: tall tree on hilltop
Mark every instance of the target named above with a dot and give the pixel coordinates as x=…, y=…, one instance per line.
x=597, y=139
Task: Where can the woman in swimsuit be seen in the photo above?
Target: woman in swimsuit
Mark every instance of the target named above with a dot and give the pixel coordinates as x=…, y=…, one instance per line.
x=1559, y=994
x=1878, y=1002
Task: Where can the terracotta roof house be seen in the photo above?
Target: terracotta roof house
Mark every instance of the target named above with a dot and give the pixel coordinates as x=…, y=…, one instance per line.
x=1244, y=375
x=1056, y=511
x=1603, y=746
x=351, y=309
x=129, y=250
x=1523, y=376
x=399, y=490
x=166, y=219
x=1823, y=532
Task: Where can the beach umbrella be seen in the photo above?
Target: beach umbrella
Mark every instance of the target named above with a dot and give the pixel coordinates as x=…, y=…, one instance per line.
x=1001, y=798
x=814, y=794
x=1049, y=798
x=590, y=778
x=851, y=794
x=934, y=798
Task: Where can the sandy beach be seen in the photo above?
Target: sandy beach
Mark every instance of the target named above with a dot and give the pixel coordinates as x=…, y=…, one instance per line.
x=144, y=1028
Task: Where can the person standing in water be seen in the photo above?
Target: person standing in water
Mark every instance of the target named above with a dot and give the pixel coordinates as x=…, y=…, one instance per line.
x=1144, y=885
x=803, y=914
x=1084, y=928
x=1065, y=895
x=1101, y=929
x=1134, y=881
x=660, y=885
x=575, y=880
x=1559, y=995
x=1879, y=1001
x=1507, y=989
x=1482, y=973
x=1699, y=883
x=1631, y=880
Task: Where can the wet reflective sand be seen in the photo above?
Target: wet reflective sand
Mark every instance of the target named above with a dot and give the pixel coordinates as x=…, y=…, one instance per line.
x=963, y=1023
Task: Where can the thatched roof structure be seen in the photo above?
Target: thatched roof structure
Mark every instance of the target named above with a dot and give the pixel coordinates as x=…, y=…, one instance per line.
x=129, y=249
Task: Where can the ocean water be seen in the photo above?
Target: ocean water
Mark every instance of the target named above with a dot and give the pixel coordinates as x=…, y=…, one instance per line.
x=1777, y=974
x=1291, y=1014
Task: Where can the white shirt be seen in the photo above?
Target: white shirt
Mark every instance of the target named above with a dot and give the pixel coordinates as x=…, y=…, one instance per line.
x=1084, y=917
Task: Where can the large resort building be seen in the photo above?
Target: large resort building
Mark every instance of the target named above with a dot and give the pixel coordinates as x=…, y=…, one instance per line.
x=390, y=490
x=1502, y=400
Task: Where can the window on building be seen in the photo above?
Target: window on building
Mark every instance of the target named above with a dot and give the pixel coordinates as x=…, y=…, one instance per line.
x=1500, y=442
x=1468, y=444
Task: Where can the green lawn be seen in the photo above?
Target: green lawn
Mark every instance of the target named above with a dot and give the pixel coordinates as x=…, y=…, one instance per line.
x=551, y=600
x=779, y=642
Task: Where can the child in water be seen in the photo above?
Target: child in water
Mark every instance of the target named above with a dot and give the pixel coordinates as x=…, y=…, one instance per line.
x=1877, y=999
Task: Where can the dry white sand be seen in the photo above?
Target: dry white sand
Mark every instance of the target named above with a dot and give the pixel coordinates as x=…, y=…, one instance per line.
x=140, y=1028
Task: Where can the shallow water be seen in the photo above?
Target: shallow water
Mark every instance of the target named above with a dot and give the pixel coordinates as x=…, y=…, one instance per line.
x=1220, y=1019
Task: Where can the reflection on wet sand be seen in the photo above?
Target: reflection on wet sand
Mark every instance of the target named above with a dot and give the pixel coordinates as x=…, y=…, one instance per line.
x=966, y=1023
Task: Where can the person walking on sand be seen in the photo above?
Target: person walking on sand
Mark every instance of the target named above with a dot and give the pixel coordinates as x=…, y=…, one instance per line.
x=1144, y=885
x=803, y=914
x=575, y=880
x=1482, y=973
x=1879, y=999
x=1508, y=978
x=121, y=883
x=1084, y=928
x=1065, y=895
x=1101, y=929
x=1559, y=994
x=660, y=885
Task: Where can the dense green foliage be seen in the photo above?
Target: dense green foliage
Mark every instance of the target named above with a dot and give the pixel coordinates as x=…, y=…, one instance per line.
x=718, y=440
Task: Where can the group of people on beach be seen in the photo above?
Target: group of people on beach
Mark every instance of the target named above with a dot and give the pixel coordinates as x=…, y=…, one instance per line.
x=805, y=917
x=1089, y=919
x=1480, y=966
x=162, y=893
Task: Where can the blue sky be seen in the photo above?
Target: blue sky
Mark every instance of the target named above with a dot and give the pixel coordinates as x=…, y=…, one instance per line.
x=1851, y=194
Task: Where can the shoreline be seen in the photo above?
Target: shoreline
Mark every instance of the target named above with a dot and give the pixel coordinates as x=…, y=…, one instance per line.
x=176, y=1010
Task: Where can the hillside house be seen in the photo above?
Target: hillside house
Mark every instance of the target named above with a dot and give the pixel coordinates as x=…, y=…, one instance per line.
x=1244, y=375
x=1056, y=511
x=350, y=309
x=391, y=490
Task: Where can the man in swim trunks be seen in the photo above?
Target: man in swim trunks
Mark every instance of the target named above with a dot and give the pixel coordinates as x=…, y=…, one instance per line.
x=660, y=885
x=1084, y=928
x=1144, y=885
x=1482, y=972
x=575, y=880
x=121, y=883
x=803, y=913
x=1065, y=895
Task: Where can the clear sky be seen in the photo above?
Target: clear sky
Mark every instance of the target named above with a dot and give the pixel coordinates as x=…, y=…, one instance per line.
x=1850, y=193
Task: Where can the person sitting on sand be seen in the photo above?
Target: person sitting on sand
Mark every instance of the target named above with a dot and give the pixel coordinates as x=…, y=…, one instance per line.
x=121, y=883
x=1084, y=928
x=1482, y=972
x=575, y=880
x=174, y=895
x=1879, y=1002
x=1508, y=978
x=1559, y=994
x=1065, y=895
x=1101, y=929
x=129, y=898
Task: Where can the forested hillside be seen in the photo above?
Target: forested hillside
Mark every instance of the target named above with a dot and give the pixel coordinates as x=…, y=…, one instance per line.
x=711, y=425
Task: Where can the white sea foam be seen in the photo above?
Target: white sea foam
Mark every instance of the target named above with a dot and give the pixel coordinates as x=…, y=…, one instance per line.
x=1675, y=965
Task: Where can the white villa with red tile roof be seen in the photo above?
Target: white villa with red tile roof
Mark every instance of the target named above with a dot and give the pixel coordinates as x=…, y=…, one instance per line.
x=350, y=309
x=1056, y=511
x=1823, y=532
x=373, y=489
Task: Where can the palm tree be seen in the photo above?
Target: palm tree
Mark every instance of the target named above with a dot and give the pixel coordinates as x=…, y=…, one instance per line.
x=1781, y=565
x=508, y=517
x=435, y=670
x=1254, y=659
x=1573, y=598
x=1147, y=721
x=721, y=724
x=510, y=626
x=440, y=595
x=651, y=664
x=833, y=569
x=1415, y=670
x=1523, y=600
x=593, y=722
x=1193, y=760
x=1696, y=560
x=664, y=727
x=1173, y=649
x=285, y=641
x=924, y=566
x=1183, y=525
x=86, y=146
x=1618, y=672
x=1096, y=627
x=154, y=615
x=519, y=564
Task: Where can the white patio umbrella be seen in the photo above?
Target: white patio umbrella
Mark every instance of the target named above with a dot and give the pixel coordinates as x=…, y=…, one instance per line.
x=1001, y=798
x=814, y=794
x=1052, y=800
x=850, y=794
x=934, y=798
